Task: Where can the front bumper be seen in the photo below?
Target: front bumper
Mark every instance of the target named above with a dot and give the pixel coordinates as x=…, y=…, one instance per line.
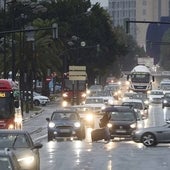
x=63, y=132
x=121, y=131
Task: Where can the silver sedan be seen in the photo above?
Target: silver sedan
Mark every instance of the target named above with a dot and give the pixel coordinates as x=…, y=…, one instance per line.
x=151, y=136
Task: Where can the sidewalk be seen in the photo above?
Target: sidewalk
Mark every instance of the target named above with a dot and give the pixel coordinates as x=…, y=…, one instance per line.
x=31, y=114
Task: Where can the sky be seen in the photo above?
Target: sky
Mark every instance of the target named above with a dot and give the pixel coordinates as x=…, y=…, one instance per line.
x=102, y=2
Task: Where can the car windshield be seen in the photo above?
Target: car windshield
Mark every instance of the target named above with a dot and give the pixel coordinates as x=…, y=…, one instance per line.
x=94, y=101
x=5, y=163
x=122, y=116
x=140, y=77
x=167, y=95
x=8, y=140
x=64, y=116
x=114, y=87
x=156, y=93
x=36, y=94
x=165, y=86
x=135, y=105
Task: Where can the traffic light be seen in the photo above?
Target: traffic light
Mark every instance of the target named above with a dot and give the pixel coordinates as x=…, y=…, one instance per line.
x=127, y=25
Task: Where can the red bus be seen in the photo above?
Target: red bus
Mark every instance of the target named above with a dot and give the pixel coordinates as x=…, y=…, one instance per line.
x=73, y=92
x=10, y=111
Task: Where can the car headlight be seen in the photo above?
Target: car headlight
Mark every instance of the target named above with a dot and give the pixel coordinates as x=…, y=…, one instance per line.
x=133, y=125
x=51, y=124
x=89, y=117
x=110, y=101
x=119, y=92
x=64, y=103
x=165, y=101
x=65, y=95
x=148, y=92
x=88, y=91
x=109, y=125
x=27, y=160
x=83, y=95
x=11, y=126
x=127, y=83
x=103, y=107
x=77, y=124
x=146, y=102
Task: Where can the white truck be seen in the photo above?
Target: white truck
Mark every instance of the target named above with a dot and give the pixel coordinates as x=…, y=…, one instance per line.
x=140, y=79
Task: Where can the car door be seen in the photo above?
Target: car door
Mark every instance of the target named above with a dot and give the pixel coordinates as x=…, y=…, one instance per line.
x=165, y=133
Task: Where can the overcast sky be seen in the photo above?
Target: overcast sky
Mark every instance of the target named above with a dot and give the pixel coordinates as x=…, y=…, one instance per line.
x=102, y=2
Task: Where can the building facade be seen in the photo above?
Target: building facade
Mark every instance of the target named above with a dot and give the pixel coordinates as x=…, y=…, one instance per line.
x=137, y=10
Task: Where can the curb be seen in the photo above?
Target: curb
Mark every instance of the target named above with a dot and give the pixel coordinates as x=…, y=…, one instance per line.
x=31, y=115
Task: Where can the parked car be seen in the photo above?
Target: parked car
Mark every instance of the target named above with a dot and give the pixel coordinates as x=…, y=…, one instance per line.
x=152, y=136
x=20, y=142
x=8, y=160
x=65, y=123
x=166, y=100
x=156, y=96
x=124, y=120
x=39, y=99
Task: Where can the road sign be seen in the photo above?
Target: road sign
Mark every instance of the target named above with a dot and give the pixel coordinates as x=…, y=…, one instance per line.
x=80, y=68
x=77, y=73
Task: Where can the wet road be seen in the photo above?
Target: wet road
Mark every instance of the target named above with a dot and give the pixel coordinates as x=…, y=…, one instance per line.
x=85, y=155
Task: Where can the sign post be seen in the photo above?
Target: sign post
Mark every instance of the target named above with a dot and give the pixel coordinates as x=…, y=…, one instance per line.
x=76, y=74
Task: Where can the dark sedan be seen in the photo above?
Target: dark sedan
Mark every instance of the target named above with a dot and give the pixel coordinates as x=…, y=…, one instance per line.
x=124, y=120
x=65, y=123
x=20, y=142
x=166, y=100
x=151, y=136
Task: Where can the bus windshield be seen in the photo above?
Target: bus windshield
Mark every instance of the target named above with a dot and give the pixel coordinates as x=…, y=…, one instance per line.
x=68, y=85
x=7, y=108
x=140, y=78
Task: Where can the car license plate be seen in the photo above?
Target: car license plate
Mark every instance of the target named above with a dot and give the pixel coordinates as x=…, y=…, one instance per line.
x=64, y=130
x=120, y=131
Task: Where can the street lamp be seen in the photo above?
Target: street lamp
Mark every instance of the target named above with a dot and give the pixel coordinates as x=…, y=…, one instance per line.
x=29, y=33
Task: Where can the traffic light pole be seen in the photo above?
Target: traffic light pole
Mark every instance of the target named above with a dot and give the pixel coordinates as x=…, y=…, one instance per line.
x=145, y=22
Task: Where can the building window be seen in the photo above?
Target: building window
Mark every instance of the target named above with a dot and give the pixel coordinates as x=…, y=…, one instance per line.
x=144, y=2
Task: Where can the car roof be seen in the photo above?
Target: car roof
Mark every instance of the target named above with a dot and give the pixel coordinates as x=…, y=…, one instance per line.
x=65, y=110
x=118, y=108
x=133, y=100
x=13, y=131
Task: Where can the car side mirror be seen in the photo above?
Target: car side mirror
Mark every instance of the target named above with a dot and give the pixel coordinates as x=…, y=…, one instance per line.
x=37, y=146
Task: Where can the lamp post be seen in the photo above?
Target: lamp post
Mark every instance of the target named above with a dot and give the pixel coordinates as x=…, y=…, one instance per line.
x=30, y=71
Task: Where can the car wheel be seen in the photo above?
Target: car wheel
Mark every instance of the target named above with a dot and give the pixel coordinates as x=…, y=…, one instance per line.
x=36, y=103
x=148, y=139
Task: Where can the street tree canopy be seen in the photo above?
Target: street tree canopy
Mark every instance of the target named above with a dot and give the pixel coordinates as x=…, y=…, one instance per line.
x=91, y=24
